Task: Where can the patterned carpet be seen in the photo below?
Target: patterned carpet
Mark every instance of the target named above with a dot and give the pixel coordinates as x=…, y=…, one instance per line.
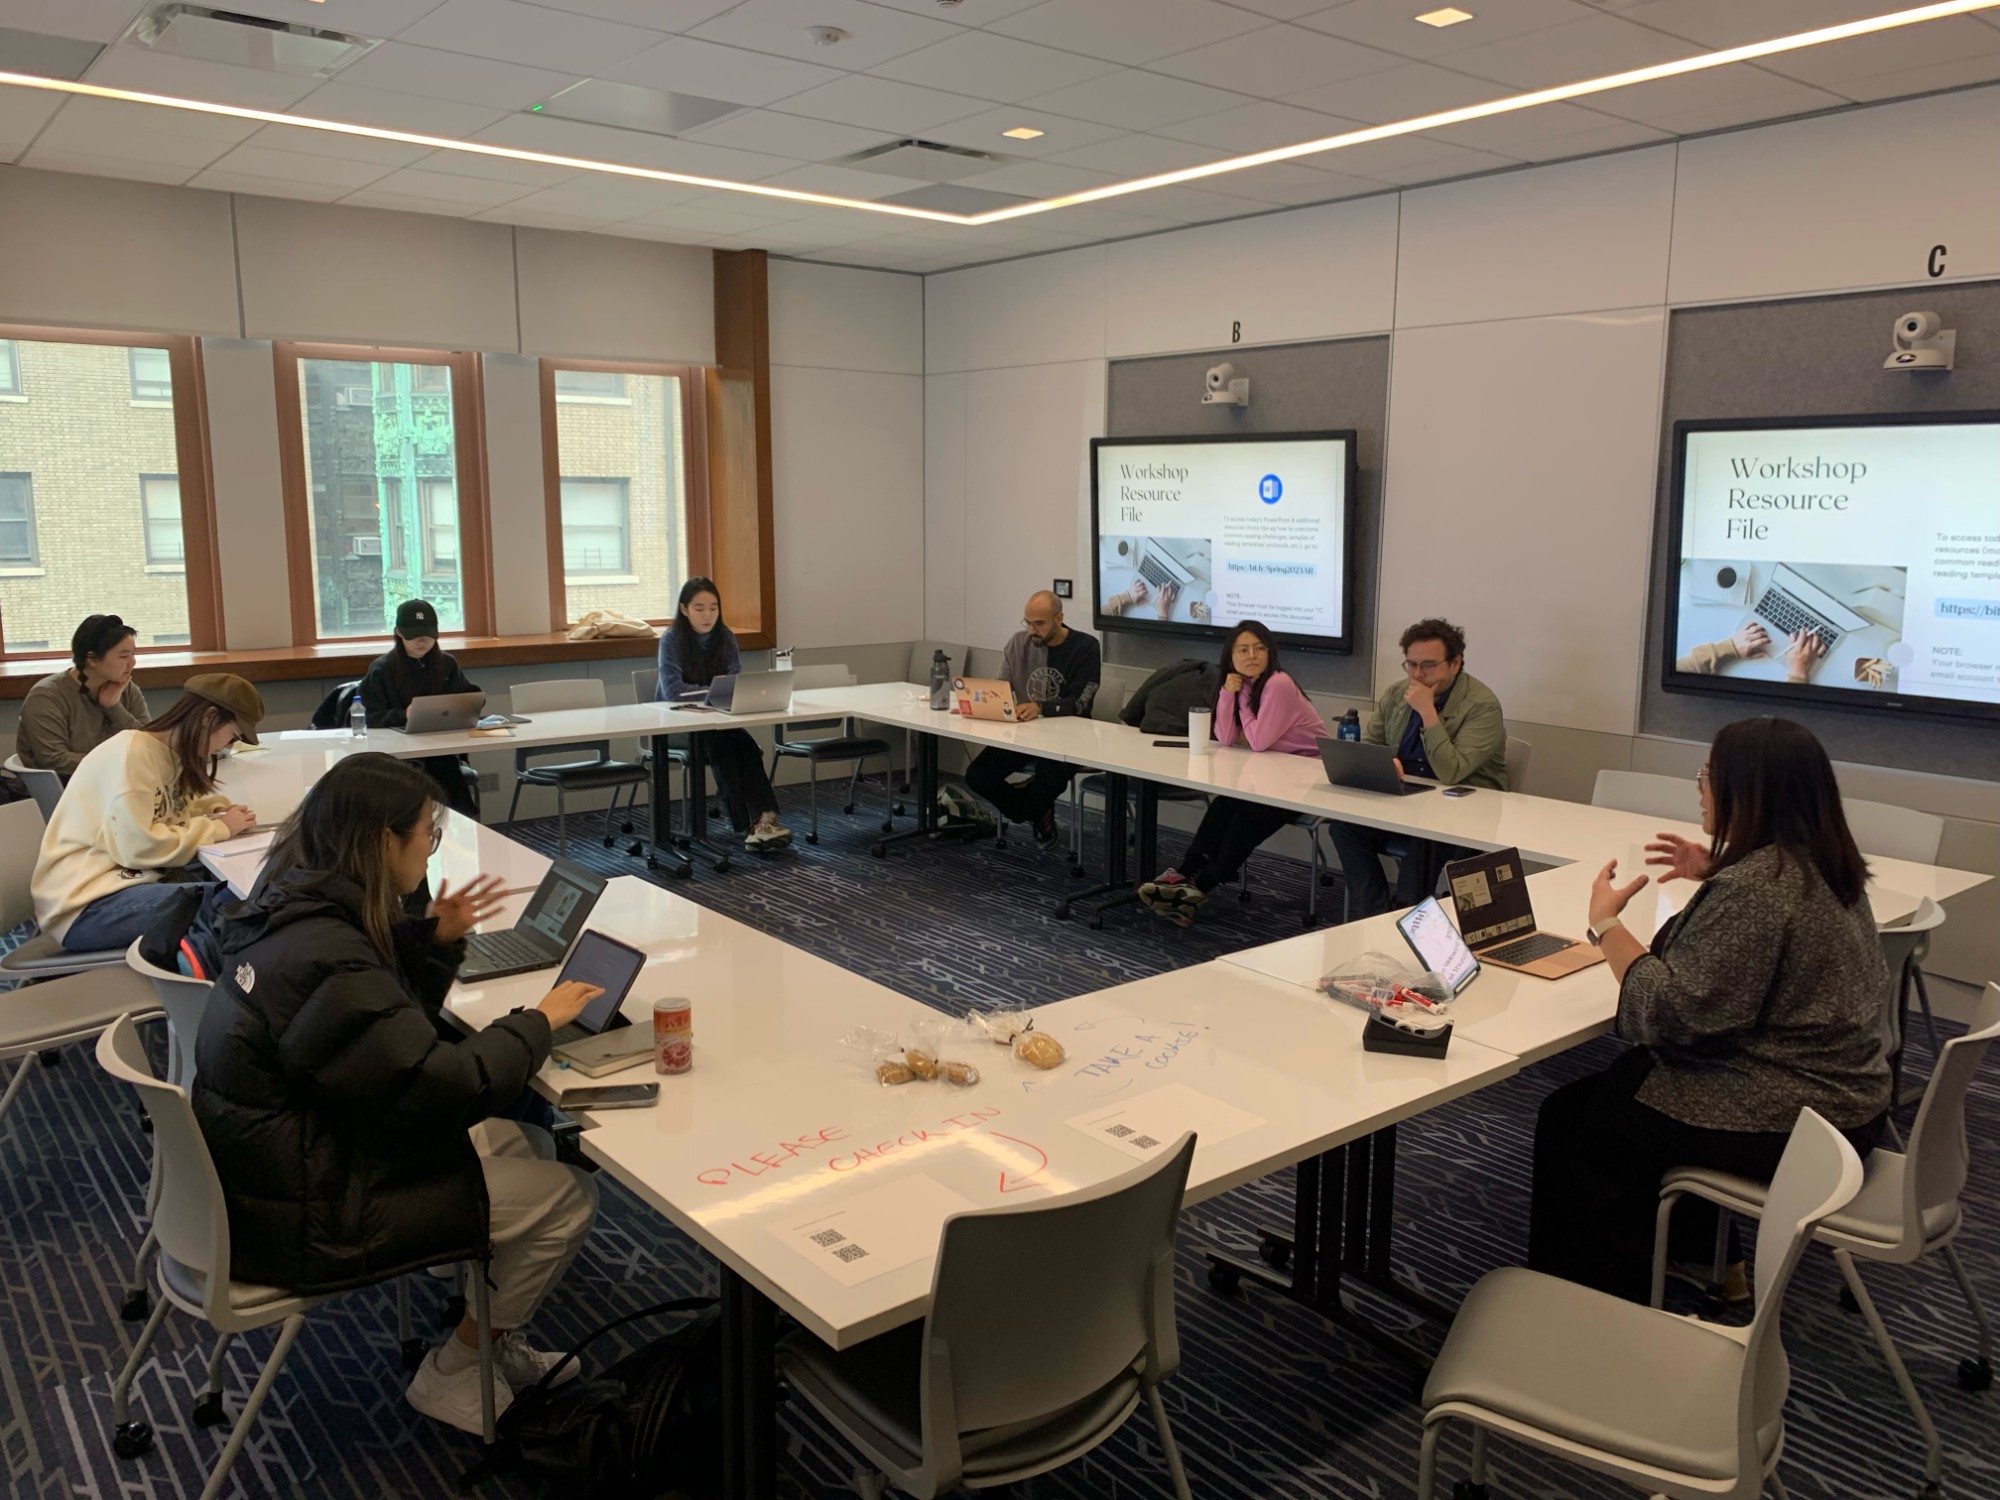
x=1269, y=1400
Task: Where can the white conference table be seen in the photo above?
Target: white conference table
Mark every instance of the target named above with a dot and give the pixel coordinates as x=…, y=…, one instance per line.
x=468, y=850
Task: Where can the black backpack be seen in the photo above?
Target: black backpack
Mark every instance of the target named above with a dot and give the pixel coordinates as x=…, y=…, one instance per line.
x=648, y=1426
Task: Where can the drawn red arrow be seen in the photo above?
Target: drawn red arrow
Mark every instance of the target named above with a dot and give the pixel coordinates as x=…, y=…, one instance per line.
x=1009, y=1182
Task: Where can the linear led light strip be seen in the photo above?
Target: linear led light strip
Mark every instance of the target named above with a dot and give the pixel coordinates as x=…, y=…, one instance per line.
x=1749, y=52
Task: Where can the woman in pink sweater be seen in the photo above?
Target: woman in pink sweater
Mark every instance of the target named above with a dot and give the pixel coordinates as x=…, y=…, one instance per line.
x=1262, y=707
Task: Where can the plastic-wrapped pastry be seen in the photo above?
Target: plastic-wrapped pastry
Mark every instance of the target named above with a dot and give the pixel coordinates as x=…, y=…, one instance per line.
x=892, y=1073
x=921, y=1063
x=961, y=1073
x=1039, y=1048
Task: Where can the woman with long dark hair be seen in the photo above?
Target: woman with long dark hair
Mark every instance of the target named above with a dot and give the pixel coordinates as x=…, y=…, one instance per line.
x=1761, y=998
x=352, y=1141
x=415, y=666
x=695, y=650
x=1260, y=705
x=138, y=810
x=70, y=713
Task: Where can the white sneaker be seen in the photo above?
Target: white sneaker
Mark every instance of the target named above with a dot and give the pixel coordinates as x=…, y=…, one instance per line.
x=454, y=1399
x=768, y=834
x=521, y=1365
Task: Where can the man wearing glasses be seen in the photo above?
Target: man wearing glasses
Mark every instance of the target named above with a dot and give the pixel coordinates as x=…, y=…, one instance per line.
x=1054, y=672
x=1447, y=726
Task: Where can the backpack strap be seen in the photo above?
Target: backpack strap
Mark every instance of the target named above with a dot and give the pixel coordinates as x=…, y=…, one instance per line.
x=658, y=1309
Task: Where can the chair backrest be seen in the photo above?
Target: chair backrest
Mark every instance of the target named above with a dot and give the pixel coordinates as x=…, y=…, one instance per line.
x=921, y=653
x=827, y=675
x=190, y=1215
x=645, y=683
x=334, y=707
x=1519, y=753
x=556, y=695
x=1903, y=945
x=1819, y=1174
x=183, y=998
x=1939, y=1155
x=1642, y=792
x=980, y=661
x=46, y=787
x=1893, y=832
x=1092, y=1292
x=21, y=825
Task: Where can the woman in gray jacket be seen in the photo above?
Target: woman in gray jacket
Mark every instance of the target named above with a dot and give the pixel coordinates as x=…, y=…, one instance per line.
x=1762, y=997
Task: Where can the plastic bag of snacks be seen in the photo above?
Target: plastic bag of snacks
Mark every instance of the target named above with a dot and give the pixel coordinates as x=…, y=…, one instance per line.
x=1016, y=1029
x=1378, y=982
x=927, y=1053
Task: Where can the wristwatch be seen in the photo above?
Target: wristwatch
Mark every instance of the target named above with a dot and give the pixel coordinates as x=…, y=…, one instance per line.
x=1599, y=929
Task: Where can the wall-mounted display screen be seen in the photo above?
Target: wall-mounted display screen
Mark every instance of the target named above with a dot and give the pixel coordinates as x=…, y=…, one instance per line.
x=1192, y=535
x=1844, y=561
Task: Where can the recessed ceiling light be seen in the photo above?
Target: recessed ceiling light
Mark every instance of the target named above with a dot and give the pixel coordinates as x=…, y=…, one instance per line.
x=1451, y=15
x=1022, y=133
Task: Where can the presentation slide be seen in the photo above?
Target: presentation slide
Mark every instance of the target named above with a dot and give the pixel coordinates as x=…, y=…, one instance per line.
x=1194, y=535
x=1857, y=559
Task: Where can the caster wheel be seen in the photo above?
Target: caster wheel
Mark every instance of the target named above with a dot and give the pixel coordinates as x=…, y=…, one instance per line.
x=1097, y=924
x=888, y=825
x=137, y=1305
x=208, y=1410
x=685, y=872
x=1715, y=1309
x=812, y=838
x=609, y=841
x=880, y=851
x=1225, y=1279
x=1309, y=921
x=131, y=1439
x=454, y=1313
x=722, y=864
x=1930, y=1492
x=413, y=1354
x=899, y=809
x=145, y=1124
x=1975, y=1375
x=49, y=1059
x=1847, y=1302
x=635, y=849
x=849, y=809
x=1275, y=1253
x=1062, y=912
x=1465, y=1489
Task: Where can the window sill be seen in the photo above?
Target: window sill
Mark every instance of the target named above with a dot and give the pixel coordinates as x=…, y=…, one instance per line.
x=600, y=580
x=562, y=400
x=159, y=570
x=13, y=399
x=166, y=405
x=24, y=572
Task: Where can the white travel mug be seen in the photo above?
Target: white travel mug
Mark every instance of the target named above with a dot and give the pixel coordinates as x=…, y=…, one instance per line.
x=1200, y=724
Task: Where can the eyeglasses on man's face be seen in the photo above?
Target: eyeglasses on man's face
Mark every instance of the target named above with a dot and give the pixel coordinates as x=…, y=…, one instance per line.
x=1424, y=668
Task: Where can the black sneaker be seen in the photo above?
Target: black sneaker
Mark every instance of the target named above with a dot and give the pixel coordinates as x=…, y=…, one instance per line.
x=1046, y=829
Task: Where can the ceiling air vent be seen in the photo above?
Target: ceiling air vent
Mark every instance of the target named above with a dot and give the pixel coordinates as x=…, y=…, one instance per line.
x=926, y=161
x=222, y=36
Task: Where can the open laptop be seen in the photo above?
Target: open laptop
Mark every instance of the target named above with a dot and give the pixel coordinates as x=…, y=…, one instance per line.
x=600, y=1040
x=1160, y=567
x=751, y=693
x=1497, y=919
x=982, y=698
x=549, y=926
x=1791, y=602
x=1356, y=767
x=1428, y=929
x=445, y=713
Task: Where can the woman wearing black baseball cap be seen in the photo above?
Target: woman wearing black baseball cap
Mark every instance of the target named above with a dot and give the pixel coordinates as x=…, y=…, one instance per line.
x=414, y=667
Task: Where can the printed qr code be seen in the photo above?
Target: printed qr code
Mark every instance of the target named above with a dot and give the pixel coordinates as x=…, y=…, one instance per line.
x=827, y=1238
x=1145, y=1142
x=850, y=1253
x=1121, y=1131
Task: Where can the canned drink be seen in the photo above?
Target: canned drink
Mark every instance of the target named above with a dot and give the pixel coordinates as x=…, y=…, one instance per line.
x=673, y=1035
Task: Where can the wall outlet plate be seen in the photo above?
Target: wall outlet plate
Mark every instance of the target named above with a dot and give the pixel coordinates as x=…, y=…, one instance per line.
x=1065, y=589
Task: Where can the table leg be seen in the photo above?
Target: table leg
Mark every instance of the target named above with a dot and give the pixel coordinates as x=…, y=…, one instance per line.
x=661, y=846
x=1116, y=885
x=927, y=790
x=696, y=839
x=749, y=1391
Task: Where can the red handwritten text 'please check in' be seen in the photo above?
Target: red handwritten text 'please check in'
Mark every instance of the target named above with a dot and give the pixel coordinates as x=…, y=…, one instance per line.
x=814, y=1143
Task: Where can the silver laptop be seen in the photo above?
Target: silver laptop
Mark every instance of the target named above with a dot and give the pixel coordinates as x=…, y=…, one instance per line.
x=1366, y=768
x=600, y=1040
x=751, y=693
x=1792, y=602
x=444, y=714
x=1159, y=566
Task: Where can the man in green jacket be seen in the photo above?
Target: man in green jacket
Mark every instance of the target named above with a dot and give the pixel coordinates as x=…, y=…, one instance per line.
x=1447, y=726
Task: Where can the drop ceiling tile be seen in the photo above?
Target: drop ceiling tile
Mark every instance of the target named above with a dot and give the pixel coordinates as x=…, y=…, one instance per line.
x=1392, y=160
x=982, y=132
x=595, y=196
x=89, y=164
x=1281, y=10
x=1140, y=156
x=1731, y=23
x=970, y=13
x=1573, y=51
x=119, y=117
x=23, y=112
x=1276, y=61
x=187, y=78
x=1909, y=81
x=986, y=66
x=1257, y=127
x=1393, y=25
x=630, y=230
x=884, y=104
x=265, y=187
x=1289, y=185
x=92, y=20
x=758, y=206
x=874, y=34
x=361, y=148
x=659, y=15
x=706, y=218
x=406, y=204
x=1189, y=205
x=1129, y=31
x=1665, y=98
x=631, y=148
x=450, y=187
x=529, y=174
x=1613, y=135
x=692, y=66
x=788, y=135
x=90, y=135
x=1136, y=100
x=1041, y=179
x=517, y=33
x=378, y=18
x=1799, y=100
x=513, y=213
x=1120, y=218
x=1946, y=41
x=1541, y=123
x=1440, y=168
x=296, y=166
x=1400, y=93
x=842, y=182
x=431, y=74
x=389, y=110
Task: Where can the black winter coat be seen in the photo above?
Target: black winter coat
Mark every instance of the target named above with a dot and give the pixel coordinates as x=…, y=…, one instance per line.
x=1160, y=704
x=394, y=678
x=336, y=1114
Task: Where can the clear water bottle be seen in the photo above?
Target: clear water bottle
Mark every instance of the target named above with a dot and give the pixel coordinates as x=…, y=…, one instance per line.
x=357, y=720
x=1350, y=726
x=941, y=682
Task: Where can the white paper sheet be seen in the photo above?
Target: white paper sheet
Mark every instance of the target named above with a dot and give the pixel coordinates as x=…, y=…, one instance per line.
x=1150, y=1124
x=877, y=1231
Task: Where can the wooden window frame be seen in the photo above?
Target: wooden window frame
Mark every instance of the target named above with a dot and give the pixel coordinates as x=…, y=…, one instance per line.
x=694, y=439
x=475, y=527
x=203, y=576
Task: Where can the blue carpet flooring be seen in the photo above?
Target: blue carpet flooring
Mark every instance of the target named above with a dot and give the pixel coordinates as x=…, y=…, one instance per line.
x=1270, y=1401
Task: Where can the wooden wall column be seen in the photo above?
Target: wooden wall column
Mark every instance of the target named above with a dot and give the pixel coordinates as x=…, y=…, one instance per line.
x=741, y=544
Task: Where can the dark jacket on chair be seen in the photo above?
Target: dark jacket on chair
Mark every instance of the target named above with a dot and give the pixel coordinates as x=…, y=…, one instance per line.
x=1161, y=704
x=337, y=1118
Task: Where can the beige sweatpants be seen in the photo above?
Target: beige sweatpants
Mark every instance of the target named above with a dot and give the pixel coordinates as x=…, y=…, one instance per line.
x=541, y=1215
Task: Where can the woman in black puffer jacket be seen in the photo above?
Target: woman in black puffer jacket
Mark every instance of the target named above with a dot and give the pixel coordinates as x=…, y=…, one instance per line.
x=352, y=1141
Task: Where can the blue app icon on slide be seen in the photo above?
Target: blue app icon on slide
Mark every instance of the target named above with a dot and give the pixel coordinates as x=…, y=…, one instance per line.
x=1270, y=488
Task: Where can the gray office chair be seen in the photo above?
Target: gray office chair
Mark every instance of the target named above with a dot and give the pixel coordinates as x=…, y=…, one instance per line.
x=645, y=683
x=1906, y=945
x=58, y=1012
x=991, y=1389
x=1892, y=832
x=601, y=773
x=1908, y=1208
x=191, y=1219
x=1643, y=792
x=843, y=746
x=46, y=787
x=1665, y=1404
x=40, y=956
x=1519, y=753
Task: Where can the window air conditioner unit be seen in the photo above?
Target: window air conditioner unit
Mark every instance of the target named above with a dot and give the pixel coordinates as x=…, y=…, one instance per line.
x=354, y=395
x=364, y=546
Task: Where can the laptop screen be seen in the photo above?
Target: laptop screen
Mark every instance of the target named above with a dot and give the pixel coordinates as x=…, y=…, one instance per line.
x=1491, y=897
x=608, y=964
x=561, y=903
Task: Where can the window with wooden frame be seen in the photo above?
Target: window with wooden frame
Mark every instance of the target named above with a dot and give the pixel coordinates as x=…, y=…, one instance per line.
x=385, y=492
x=87, y=419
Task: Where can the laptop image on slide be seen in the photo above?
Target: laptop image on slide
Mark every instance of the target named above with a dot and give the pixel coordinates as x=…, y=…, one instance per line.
x=1791, y=602
x=548, y=928
x=600, y=1040
x=1159, y=567
x=751, y=693
x=983, y=698
x=1356, y=767
x=1498, y=919
x=444, y=713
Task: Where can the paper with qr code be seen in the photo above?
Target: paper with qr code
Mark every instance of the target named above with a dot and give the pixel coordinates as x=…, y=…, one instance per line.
x=1149, y=1125
x=878, y=1231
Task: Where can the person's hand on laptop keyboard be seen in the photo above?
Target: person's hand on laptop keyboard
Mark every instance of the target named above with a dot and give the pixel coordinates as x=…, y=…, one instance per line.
x=458, y=912
x=1807, y=647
